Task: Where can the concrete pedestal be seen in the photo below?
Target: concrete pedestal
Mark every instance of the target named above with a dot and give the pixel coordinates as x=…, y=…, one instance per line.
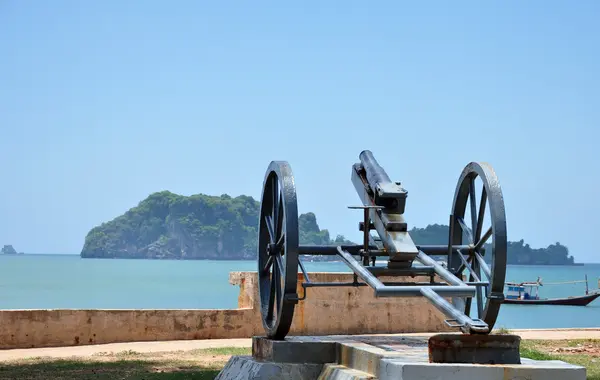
x=384, y=357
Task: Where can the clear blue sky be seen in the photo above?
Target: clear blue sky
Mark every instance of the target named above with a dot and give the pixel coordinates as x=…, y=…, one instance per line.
x=105, y=102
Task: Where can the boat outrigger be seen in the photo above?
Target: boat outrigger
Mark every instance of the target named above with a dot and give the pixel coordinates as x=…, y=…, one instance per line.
x=526, y=293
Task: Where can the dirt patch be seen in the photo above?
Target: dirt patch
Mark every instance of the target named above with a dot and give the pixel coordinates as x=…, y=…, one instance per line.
x=579, y=349
x=565, y=347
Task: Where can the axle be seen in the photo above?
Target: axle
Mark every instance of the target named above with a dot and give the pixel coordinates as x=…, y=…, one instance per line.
x=331, y=250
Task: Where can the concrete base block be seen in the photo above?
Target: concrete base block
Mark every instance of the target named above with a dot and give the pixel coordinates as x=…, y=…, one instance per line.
x=294, y=350
x=248, y=368
x=474, y=349
x=391, y=369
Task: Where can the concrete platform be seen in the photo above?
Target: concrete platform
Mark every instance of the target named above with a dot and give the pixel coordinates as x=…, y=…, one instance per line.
x=375, y=357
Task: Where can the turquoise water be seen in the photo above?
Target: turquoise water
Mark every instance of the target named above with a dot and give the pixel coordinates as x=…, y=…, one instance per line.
x=66, y=281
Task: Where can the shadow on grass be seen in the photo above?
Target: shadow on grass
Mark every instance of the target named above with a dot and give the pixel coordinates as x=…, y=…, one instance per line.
x=120, y=369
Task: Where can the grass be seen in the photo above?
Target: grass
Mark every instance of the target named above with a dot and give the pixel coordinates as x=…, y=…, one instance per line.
x=583, y=352
x=195, y=365
x=503, y=331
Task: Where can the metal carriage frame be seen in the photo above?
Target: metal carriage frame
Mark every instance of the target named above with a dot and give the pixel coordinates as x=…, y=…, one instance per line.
x=383, y=202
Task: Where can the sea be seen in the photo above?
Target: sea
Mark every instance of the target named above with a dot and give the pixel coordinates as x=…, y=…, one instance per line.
x=46, y=281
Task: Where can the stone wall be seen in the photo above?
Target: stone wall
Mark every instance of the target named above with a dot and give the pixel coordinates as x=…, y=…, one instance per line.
x=332, y=310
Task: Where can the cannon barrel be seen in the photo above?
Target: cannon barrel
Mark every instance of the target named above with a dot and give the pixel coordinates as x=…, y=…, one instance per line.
x=376, y=176
x=385, y=192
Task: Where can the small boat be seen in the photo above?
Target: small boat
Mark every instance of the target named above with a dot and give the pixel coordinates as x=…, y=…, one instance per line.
x=526, y=293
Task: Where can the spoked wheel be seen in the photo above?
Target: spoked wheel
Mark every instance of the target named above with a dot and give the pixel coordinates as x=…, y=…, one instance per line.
x=481, y=224
x=278, y=250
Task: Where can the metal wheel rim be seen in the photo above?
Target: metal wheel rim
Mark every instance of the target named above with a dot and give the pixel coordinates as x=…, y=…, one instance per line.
x=284, y=226
x=494, y=205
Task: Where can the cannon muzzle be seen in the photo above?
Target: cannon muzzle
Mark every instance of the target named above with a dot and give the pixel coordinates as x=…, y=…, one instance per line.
x=385, y=192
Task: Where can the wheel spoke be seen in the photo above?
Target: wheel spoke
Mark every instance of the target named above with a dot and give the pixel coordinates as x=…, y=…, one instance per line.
x=466, y=264
x=480, y=305
x=279, y=265
x=481, y=214
x=484, y=266
x=479, y=298
x=469, y=300
x=280, y=241
x=270, y=228
x=482, y=241
x=462, y=265
x=466, y=229
x=277, y=275
x=473, y=200
x=270, y=311
x=268, y=265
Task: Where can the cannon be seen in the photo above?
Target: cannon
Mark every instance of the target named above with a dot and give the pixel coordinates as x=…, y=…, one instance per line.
x=451, y=288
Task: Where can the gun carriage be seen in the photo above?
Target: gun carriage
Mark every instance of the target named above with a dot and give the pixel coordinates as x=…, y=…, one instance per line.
x=466, y=277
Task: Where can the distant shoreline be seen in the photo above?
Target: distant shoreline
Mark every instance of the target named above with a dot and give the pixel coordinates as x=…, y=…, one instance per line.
x=238, y=259
x=315, y=261
x=227, y=259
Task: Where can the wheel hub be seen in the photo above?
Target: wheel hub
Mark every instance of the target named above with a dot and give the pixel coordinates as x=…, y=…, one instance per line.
x=272, y=249
x=471, y=250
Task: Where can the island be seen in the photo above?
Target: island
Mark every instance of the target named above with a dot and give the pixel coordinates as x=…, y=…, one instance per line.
x=8, y=250
x=207, y=227
x=171, y=226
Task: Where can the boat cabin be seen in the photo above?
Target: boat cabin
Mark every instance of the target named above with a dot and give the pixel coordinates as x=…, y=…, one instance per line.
x=522, y=291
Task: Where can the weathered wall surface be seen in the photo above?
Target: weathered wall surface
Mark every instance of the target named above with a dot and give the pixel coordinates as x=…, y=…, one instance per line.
x=47, y=328
x=334, y=310
x=346, y=310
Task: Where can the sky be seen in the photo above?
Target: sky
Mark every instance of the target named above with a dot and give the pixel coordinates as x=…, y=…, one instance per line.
x=103, y=103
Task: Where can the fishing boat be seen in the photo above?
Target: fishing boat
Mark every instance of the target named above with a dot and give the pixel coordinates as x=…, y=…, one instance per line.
x=527, y=293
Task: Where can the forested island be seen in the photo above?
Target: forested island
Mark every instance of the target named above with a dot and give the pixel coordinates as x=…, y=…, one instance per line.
x=171, y=226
